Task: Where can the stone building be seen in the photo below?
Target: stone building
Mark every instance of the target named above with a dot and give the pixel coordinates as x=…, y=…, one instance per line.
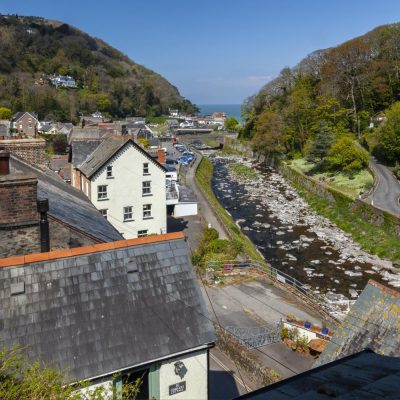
x=71, y=219
x=25, y=124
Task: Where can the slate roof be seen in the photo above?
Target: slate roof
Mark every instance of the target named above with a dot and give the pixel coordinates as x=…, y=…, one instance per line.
x=373, y=322
x=107, y=149
x=80, y=149
x=68, y=204
x=20, y=114
x=364, y=375
x=105, y=307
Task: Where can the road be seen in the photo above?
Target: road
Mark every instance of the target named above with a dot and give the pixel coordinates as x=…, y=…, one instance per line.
x=225, y=381
x=386, y=192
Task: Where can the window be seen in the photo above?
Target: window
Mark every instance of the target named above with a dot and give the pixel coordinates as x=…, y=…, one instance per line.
x=146, y=210
x=142, y=233
x=128, y=213
x=102, y=192
x=146, y=188
x=104, y=213
x=109, y=171
x=146, y=169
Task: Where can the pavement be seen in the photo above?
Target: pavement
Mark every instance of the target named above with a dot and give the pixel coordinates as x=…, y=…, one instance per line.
x=257, y=304
x=386, y=193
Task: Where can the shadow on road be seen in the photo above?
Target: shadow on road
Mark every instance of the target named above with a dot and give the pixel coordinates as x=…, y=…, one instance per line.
x=222, y=386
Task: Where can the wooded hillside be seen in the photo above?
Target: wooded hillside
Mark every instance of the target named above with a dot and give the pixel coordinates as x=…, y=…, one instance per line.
x=336, y=91
x=32, y=48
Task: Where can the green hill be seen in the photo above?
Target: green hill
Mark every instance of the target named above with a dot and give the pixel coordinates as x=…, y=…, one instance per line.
x=32, y=48
x=338, y=91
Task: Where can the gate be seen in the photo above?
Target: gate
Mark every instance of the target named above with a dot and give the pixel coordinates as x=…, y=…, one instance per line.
x=258, y=336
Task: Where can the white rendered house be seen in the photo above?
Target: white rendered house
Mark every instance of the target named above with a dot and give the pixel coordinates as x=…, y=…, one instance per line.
x=126, y=185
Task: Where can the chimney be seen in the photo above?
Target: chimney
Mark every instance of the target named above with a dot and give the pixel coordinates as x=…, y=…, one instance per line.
x=4, y=162
x=43, y=207
x=161, y=156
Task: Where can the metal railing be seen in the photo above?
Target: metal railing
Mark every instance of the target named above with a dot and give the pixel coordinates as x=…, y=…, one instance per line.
x=332, y=310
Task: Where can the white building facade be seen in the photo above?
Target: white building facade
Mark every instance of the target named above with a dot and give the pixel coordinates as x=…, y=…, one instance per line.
x=129, y=190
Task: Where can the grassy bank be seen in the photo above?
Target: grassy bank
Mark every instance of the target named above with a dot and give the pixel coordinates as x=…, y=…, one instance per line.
x=204, y=174
x=375, y=240
x=353, y=186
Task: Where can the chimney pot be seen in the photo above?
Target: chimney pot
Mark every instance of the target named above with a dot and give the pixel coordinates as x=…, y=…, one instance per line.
x=4, y=162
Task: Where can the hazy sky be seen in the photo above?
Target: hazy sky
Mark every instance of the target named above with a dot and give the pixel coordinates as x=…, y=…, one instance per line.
x=216, y=51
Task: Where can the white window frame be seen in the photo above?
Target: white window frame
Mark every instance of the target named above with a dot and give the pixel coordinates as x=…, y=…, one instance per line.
x=142, y=233
x=147, y=211
x=146, y=189
x=109, y=172
x=128, y=213
x=104, y=212
x=146, y=170
x=102, y=194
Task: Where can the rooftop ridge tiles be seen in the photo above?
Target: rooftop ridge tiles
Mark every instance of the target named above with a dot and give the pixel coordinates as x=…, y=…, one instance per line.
x=93, y=248
x=384, y=288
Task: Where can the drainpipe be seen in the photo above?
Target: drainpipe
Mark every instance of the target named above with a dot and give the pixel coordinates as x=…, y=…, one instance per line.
x=43, y=207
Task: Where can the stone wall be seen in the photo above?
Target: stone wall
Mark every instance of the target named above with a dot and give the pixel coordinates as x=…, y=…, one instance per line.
x=369, y=213
x=31, y=150
x=63, y=237
x=21, y=241
x=246, y=359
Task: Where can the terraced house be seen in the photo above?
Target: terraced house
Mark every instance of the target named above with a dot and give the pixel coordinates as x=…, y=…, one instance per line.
x=125, y=184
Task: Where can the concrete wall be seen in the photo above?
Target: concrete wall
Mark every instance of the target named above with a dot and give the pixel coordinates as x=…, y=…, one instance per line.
x=196, y=377
x=185, y=209
x=125, y=189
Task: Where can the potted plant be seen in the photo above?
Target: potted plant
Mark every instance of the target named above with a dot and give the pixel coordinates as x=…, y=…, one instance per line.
x=307, y=324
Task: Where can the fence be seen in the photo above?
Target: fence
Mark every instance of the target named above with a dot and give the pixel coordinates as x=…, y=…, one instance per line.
x=333, y=310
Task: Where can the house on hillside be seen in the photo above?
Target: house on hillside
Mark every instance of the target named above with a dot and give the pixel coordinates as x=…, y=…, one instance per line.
x=63, y=81
x=24, y=124
x=112, y=313
x=126, y=185
x=56, y=128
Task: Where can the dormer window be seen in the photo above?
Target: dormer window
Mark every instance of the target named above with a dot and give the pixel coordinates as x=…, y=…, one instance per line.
x=109, y=171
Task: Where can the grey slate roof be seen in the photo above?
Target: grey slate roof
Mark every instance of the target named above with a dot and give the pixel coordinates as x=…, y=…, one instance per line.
x=80, y=149
x=20, y=114
x=68, y=204
x=373, y=322
x=365, y=375
x=89, y=314
x=108, y=148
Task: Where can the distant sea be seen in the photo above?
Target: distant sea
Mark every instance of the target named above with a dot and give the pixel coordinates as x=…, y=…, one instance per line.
x=231, y=110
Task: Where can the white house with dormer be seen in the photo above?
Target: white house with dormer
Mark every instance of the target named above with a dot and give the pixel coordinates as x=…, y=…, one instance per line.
x=126, y=185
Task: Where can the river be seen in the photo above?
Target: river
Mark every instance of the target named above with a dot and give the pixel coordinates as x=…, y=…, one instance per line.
x=292, y=237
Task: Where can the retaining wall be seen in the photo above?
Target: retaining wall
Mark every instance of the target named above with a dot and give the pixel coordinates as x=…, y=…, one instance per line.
x=368, y=212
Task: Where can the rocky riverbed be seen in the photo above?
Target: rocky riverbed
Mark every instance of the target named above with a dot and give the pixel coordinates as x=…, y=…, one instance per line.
x=292, y=237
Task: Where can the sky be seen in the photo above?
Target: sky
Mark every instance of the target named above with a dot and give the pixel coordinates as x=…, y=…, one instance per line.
x=216, y=51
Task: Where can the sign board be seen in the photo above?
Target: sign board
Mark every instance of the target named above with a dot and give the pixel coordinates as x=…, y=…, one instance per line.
x=177, y=388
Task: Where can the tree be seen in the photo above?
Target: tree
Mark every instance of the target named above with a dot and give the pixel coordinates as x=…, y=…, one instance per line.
x=21, y=379
x=5, y=113
x=321, y=145
x=345, y=155
x=60, y=144
x=388, y=135
x=231, y=124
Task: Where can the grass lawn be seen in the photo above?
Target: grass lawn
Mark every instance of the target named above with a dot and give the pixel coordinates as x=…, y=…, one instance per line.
x=354, y=186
